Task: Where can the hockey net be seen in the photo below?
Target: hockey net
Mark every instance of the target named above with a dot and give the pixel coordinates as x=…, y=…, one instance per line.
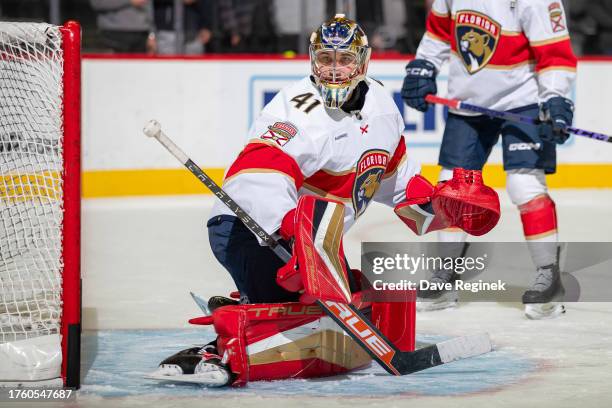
x=39, y=204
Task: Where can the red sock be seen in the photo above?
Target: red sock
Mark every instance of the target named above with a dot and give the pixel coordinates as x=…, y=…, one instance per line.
x=539, y=217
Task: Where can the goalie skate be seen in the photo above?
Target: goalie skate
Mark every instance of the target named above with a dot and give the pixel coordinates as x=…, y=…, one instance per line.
x=194, y=365
x=214, y=377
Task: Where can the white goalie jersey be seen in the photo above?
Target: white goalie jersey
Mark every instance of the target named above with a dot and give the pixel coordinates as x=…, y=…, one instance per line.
x=297, y=146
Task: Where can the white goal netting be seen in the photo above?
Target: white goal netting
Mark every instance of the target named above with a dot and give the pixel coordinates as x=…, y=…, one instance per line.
x=31, y=166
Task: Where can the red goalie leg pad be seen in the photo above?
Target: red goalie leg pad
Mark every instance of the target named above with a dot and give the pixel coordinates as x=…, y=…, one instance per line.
x=397, y=321
x=539, y=217
x=467, y=203
x=317, y=266
x=283, y=340
x=289, y=277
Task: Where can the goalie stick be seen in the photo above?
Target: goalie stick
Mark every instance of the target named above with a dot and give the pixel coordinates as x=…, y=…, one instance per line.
x=347, y=316
x=511, y=116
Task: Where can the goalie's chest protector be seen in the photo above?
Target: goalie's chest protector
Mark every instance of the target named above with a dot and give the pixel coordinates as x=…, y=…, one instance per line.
x=357, y=148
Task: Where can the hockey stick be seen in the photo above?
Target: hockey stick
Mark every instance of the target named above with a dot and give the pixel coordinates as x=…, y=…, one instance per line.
x=347, y=316
x=514, y=117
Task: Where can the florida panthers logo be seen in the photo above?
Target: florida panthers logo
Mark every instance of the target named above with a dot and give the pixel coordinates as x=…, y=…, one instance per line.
x=370, y=169
x=477, y=37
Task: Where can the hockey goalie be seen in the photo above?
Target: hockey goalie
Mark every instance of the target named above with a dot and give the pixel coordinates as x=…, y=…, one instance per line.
x=317, y=155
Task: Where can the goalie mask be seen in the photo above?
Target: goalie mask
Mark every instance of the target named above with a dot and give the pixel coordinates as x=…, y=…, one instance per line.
x=339, y=56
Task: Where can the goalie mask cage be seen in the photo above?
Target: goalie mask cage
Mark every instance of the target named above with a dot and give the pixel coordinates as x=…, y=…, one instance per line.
x=40, y=284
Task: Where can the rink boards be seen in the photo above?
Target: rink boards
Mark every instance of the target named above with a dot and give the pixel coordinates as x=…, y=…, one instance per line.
x=207, y=106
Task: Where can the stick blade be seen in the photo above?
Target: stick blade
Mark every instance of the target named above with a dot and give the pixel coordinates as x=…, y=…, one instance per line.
x=442, y=353
x=464, y=347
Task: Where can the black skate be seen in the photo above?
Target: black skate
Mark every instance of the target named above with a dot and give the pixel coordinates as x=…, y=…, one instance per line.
x=216, y=302
x=200, y=365
x=539, y=299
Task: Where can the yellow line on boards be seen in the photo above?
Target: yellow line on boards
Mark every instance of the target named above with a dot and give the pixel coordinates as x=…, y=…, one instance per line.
x=567, y=176
x=118, y=183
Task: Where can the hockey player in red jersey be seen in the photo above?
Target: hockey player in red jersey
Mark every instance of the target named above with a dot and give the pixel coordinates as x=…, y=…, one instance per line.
x=317, y=155
x=512, y=55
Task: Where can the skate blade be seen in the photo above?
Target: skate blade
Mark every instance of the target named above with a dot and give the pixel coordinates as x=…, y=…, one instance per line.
x=541, y=311
x=208, y=378
x=202, y=304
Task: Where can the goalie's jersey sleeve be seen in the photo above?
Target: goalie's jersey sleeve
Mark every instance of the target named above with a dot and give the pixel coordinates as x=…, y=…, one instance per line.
x=297, y=147
x=502, y=54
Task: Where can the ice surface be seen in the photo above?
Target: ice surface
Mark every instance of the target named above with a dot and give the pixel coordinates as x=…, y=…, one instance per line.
x=142, y=256
x=566, y=362
x=119, y=359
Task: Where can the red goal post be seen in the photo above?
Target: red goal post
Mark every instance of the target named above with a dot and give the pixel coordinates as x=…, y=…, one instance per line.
x=40, y=204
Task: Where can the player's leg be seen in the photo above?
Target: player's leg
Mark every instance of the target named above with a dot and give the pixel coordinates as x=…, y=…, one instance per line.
x=253, y=267
x=456, y=238
x=466, y=143
x=527, y=159
x=245, y=349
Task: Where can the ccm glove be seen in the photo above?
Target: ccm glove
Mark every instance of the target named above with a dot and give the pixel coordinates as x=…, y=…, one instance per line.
x=556, y=115
x=420, y=81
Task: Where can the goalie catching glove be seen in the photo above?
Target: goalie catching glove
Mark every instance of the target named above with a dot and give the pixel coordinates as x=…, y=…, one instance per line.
x=463, y=202
x=318, y=268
